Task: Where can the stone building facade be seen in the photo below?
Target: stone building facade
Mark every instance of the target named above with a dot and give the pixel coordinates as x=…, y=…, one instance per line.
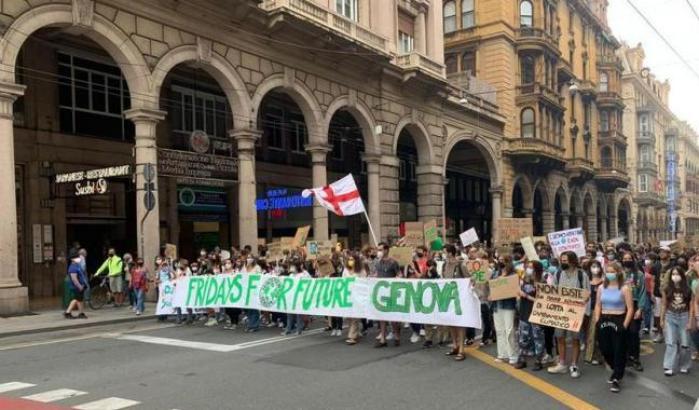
x=552, y=69
x=219, y=106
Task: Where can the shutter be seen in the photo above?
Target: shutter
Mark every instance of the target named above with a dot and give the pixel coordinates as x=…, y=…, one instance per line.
x=406, y=24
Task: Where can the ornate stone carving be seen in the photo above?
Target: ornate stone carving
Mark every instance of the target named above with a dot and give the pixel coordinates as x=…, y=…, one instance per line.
x=83, y=13
x=204, y=50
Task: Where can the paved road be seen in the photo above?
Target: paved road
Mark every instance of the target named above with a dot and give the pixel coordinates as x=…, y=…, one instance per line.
x=153, y=366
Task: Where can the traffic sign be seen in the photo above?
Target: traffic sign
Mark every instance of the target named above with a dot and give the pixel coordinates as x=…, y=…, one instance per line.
x=149, y=200
x=148, y=172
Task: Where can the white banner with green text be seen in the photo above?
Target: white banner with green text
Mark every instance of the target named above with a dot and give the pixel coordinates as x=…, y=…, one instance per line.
x=447, y=302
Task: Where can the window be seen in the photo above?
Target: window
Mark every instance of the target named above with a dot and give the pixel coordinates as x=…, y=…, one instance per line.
x=606, y=157
x=527, y=123
x=604, y=121
x=643, y=183
x=603, y=82
x=526, y=14
x=197, y=110
x=299, y=137
x=643, y=123
x=450, y=62
x=401, y=169
x=468, y=62
x=272, y=125
x=527, y=68
x=406, y=33
x=347, y=8
x=449, y=16
x=405, y=43
x=645, y=154
x=92, y=96
x=467, y=14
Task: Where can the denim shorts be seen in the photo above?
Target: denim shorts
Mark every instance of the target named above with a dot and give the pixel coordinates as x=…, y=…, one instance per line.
x=566, y=334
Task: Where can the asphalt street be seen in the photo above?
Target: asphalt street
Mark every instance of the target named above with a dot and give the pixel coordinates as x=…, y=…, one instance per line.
x=154, y=366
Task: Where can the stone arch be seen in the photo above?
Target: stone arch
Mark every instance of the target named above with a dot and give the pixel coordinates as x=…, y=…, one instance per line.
x=421, y=138
x=562, y=193
x=485, y=149
x=589, y=204
x=301, y=95
x=221, y=70
x=542, y=190
x=102, y=31
x=361, y=113
x=527, y=192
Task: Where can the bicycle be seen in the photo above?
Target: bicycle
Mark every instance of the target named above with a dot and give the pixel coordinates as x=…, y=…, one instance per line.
x=98, y=293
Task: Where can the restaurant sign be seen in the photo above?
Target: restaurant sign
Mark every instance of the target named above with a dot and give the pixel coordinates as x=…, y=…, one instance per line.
x=93, y=181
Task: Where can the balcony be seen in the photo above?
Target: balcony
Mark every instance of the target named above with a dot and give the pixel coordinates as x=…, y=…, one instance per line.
x=536, y=39
x=647, y=167
x=609, y=61
x=650, y=199
x=645, y=137
x=535, y=151
x=315, y=16
x=465, y=81
x=580, y=169
x=565, y=71
x=537, y=91
x=587, y=88
x=418, y=62
x=610, y=99
x=609, y=178
x=612, y=136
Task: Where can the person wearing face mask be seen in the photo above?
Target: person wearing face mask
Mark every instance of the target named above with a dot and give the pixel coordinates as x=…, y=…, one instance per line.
x=676, y=311
x=635, y=282
x=182, y=271
x=78, y=284
x=592, y=352
x=650, y=285
x=613, y=314
x=354, y=268
x=115, y=269
x=294, y=322
x=139, y=284
x=387, y=267
x=417, y=270
x=531, y=336
x=232, y=313
x=504, y=317
x=253, y=315
x=661, y=273
x=453, y=269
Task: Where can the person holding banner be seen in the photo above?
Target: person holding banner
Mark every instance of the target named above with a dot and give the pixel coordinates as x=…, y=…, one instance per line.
x=592, y=352
x=504, y=316
x=354, y=268
x=387, y=267
x=294, y=322
x=570, y=276
x=531, y=336
x=253, y=315
x=635, y=281
x=453, y=269
x=613, y=314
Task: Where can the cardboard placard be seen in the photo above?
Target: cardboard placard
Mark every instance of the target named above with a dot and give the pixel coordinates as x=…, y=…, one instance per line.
x=325, y=266
x=504, y=288
x=568, y=240
x=402, y=255
x=477, y=268
x=414, y=234
x=274, y=251
x=314, y=249
x=511, y=229
x=529, y=250
x=468, y=237
x=559, y=306
x=537, y=239
x=430, y=232
x=287, y=243
x=170, y=251
x=504, y=250
x=301, y=236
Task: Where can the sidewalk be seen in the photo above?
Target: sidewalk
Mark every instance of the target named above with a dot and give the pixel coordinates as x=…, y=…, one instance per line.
x=52, y=320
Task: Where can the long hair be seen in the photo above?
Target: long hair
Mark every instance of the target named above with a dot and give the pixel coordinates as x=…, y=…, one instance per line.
x=684, y=283
x=619, y=275
x=538, y=271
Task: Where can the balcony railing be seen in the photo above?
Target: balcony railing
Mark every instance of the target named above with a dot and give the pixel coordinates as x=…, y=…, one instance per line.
x=645, y=137
x=612, y=135
x=649, y=166
x=609, y=59
x=534, y=147
x=415, y=60
x=310, y=10
x=649, y=198
x=539, y=90
x=537, y=34
x=606, y=98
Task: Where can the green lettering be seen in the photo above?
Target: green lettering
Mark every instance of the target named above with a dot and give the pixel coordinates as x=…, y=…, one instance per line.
x=328, y=292
x=235, y=289
x=309, y=293
x=345, y=300
x=433, y=289
x=302, y=284
x=211, y=291
x=286, y=287
x=321, y=284
x=399, y=289
x=380, y=302
x=449, y=295
x=252, y=284
x=194, y=285
x=221, y=294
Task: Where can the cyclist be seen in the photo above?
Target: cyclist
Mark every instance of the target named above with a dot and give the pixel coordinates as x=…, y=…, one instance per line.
x=115, y=268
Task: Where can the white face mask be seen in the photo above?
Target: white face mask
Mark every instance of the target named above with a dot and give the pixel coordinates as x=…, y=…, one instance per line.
x=647, y=262
x=250, y=261
x=529, y=271
x=676, y=279
x=379, y=254
x=595, y=270
x=292, y=269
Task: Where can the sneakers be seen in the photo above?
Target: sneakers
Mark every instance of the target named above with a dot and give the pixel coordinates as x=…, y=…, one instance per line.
x=547, y=359
x=684, y=371
x=230, y=327
x=659, y=339
x=637, y=365
x=211, y=322
x=614, y=386
x=668, y=372
x=414, y=338
x=390, y=336
x=138, y=313
x=82, y=316
x=422, y=332
x=574, y=372
x=336, y=332
x=560, y=368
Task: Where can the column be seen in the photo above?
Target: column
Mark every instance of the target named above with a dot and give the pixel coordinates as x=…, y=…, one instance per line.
x=390, y=197
x=430, y=192
x=565, y=216
x=173, y=220
x=147, y=223
x=319, y=154
x=591, y=234
x=13, y=296
x=373, y=162
x=578, y=221
x=420, y=32
x=247, y=186
x=549, y=220
x=603, y=225
x=496, y=202
x=613, y=227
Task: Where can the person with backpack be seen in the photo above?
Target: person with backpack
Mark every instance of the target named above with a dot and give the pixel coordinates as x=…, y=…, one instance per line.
x=570, y=276
x=453, y=269
x=635, y=280
x=78, y=283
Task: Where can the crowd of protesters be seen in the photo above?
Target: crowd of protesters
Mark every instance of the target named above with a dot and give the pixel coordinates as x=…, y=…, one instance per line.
x=635, y=292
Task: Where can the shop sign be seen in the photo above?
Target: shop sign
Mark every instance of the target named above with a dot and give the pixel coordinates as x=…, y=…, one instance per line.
x=279, y=199
x=92, y=181
x=199, y=141
x=184, y=164
x=193, y=198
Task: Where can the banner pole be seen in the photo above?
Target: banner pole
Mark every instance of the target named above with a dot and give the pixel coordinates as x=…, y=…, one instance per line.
x=371, y=229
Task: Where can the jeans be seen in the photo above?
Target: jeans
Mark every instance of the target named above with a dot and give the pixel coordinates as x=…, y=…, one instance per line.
x=140, y=299
x=487, y=320
x=505, y=330
x=677, y=341
x=178, y=311
x=253, y=319
x=531, y=340
x=612, y=343
x=648, y=314
x=294, y=321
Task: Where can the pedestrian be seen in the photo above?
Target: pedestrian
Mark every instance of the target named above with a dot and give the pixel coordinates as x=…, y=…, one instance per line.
x=128, y=264
x=635, y=281
x=504, y=316
x=661, y=273
x=139, y=284
x=354, y=268
x=674, y=319
x=531, y=335
x=253, y=315
x=163, y=275
x=613, y=314
x=115, y=270
x=592, y=352
x=294, y=321
x=387, y=267
x=78, y=283
x=454, y=269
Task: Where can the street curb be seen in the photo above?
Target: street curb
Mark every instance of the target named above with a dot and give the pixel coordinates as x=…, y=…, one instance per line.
x=77, y=325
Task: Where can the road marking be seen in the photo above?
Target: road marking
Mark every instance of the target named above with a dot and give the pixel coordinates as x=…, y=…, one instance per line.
x=110, y=403
x=54, y=395
x=213, y=347
x=12, y=386
x=536, y=383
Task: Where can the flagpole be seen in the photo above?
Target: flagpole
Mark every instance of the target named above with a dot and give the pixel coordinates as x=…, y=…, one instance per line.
x=371, y=229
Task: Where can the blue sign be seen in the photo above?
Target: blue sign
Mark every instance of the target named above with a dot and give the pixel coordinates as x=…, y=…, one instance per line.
x=278, y=199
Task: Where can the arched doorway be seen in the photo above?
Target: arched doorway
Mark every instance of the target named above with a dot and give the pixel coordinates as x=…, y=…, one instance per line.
x=623, y=218
x=407, y=153
x=518, y=202
x=560, y=205
x=575, y=211
x=589, y=217
x=466, y=195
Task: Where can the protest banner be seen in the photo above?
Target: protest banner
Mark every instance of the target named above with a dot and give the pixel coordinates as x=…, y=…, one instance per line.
x=568, y=240
x=446, y=302
x=325, y=266
x=414, y=234
x=170, y=251
x=559, y=306
x=504, y=288
x=477, y=269
x=301, y=236
x=430, y=232
x=468, y=237
x=509, y=230
x=166, y=294
x=529, y=250
x=402, y=255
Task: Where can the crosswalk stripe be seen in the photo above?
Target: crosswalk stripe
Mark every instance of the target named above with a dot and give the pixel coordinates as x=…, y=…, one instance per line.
x=11, y=386
x=110, y=403
x=54, y=395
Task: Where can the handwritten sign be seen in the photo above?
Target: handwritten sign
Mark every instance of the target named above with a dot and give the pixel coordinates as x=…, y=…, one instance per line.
x=559, y=306
x=170, y=251
x=511, y=229
x=165, y=298
x=274, y=251
x=529, y=250
x=477, y=269
x=568, y=240
x=430, y=232
x=414, y=234
x=287, y=243
x=325, y=266
x=319, y=248
x=468, y=237
x=301, y=236
x=504, y=288
x=402, y=255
